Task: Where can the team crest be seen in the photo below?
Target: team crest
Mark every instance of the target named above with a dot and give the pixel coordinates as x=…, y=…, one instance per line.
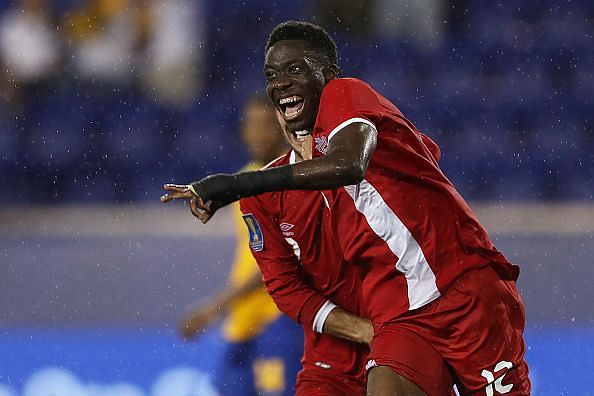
x=256, y=238
x=321, y=144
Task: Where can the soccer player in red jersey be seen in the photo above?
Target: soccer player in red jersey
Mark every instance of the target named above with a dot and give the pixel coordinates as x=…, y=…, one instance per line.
x=289, y=241
x=442, y=299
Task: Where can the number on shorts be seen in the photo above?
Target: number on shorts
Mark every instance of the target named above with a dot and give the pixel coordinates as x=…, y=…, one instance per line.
x=497, y=383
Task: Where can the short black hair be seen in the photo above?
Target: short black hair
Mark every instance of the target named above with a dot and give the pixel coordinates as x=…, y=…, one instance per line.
x=317, y=38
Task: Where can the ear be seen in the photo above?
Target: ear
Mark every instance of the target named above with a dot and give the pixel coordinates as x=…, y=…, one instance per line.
x=331, y=72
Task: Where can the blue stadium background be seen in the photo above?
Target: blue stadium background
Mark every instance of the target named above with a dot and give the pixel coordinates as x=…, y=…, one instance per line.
x=507, y=92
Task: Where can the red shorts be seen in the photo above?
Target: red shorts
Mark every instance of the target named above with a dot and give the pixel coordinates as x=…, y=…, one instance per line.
x=318, y=383
x=471, y=336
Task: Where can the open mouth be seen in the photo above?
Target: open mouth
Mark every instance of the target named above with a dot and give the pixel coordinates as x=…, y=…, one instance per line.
x=291, y=107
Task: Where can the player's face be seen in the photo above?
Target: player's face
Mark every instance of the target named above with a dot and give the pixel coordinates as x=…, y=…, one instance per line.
x=260, y=133
x=294, y=82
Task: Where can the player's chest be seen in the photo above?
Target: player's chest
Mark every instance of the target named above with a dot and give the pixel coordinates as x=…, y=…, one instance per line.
x=305, y=227
x=300, y=218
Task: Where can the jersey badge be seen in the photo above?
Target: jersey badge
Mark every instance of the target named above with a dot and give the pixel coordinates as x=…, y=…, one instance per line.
x=321, y=144
x=256, y=237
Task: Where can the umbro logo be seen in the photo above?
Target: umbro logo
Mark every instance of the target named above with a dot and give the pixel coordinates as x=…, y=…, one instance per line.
x=286, y=227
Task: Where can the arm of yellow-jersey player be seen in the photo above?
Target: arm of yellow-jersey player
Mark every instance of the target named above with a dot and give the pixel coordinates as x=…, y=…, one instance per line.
x=205, y=314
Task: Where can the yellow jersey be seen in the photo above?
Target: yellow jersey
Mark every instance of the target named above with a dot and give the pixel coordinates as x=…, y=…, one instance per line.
x=249, y=315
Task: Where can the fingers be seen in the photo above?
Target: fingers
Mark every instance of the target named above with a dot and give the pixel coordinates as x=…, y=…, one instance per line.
x=200, y=203
x=175, y=187
x=195, y=210
x=206, y=217
x=211, y=210
x=306, y=148
x=166, y=198
x=177, y=191
x=176, y=195
x=198, y=208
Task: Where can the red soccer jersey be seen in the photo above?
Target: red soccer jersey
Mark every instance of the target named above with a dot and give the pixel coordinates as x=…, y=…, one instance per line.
x=303, y=269
x=405, y=223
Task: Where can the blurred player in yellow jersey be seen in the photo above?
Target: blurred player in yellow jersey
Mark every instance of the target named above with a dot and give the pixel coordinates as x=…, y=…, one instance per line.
x=264, y=347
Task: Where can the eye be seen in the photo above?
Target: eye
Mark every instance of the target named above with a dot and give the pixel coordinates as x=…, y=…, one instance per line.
x=296, y=69
x=269, y=74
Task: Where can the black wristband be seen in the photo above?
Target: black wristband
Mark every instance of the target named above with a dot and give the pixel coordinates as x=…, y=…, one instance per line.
x=228, y=188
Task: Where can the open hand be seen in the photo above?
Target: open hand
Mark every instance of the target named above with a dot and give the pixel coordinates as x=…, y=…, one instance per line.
x=198, y=208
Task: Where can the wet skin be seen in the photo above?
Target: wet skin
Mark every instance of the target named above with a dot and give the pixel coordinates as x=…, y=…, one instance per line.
x=291, y=69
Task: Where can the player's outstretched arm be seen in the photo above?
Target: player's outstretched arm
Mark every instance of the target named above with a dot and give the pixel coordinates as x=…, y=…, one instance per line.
x=346, y=162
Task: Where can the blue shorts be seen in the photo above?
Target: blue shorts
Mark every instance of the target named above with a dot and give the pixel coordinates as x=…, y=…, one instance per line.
x=265, y=365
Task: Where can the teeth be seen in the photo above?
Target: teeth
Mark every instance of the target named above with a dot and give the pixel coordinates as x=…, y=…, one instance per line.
x=301, y=135
x=292, y=99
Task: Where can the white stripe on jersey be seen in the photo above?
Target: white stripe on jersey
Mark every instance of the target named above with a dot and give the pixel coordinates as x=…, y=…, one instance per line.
x=420, y=279
x=348, y=122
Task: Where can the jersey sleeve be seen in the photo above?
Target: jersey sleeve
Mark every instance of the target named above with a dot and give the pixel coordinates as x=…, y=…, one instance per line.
x=343, y=102
x=284, y=278
x=432, y=146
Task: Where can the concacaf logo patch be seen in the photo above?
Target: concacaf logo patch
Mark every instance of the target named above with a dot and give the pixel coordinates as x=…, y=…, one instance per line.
x=256, y=238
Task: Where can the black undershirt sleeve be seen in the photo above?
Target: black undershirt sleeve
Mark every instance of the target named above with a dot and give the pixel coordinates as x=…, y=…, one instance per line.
x=227, y=188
